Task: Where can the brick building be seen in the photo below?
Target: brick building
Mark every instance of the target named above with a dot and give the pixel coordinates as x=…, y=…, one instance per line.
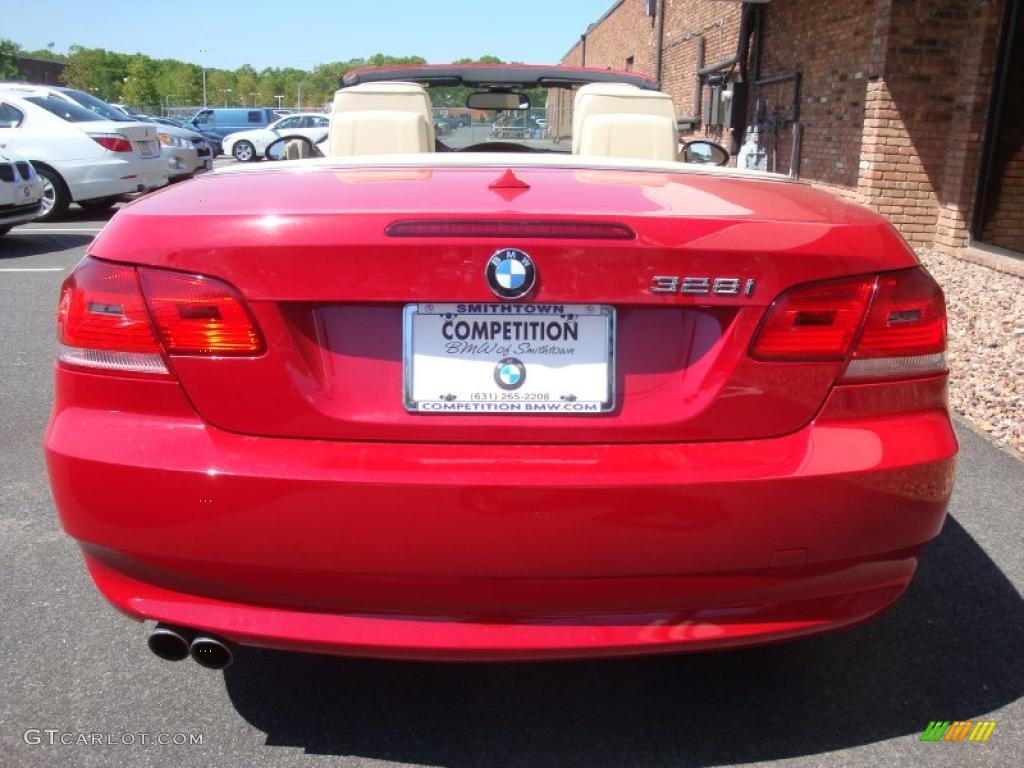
x=42, y=71
x=914, y=107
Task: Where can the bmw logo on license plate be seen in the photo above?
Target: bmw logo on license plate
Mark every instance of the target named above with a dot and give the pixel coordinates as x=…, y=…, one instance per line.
x=510, y=273
x=509, y=373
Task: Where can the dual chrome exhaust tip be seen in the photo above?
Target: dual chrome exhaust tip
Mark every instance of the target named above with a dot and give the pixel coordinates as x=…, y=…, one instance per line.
x=177, y=643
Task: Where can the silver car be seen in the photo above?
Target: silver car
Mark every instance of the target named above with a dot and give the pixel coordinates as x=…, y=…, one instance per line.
x=187, y=152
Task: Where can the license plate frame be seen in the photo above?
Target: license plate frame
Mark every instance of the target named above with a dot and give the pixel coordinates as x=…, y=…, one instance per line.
x=500, y=401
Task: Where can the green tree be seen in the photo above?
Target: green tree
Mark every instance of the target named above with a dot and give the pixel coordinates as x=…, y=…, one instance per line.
x=177, y=82
x=247, y=82
x=97, y=71
x=139, y=89
x=9, y=52
x=220, y=87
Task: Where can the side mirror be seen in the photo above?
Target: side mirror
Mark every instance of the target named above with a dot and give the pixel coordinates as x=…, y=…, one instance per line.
x=704, y=153
x=293, y=148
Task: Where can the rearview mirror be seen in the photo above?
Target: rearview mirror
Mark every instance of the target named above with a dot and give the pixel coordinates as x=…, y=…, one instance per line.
x=497, y=100
x=704, y=153
x=294, y=148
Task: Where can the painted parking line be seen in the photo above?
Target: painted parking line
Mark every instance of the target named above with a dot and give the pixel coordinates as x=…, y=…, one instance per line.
x=55, y=231
x=33, y=269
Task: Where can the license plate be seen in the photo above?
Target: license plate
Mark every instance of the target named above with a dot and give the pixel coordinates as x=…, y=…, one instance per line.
x=23, y=193
x=509, y=358
x=149, y=148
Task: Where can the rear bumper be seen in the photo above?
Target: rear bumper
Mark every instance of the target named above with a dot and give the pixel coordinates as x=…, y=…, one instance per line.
x=19, y=214
x=92, y=179
x=492, y=551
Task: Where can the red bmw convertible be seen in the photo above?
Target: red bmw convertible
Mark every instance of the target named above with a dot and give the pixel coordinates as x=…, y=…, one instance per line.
x=514, y=387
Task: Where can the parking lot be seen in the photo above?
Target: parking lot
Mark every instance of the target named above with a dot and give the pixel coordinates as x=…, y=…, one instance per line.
x=950, y=650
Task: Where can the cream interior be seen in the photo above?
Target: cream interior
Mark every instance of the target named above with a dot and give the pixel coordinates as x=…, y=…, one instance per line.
x=619, y=120
x=610, y=120
x=380, y=119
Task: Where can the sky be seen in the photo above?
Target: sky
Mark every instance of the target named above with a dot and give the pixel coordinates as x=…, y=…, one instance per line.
x=303, y=33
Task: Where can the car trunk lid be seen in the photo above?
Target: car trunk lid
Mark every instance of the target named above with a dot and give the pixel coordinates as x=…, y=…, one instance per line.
x=310, y=250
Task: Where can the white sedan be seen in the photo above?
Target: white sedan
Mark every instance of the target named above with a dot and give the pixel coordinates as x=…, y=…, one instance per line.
x=247, y=146
x=21, y=191
x=79, y=158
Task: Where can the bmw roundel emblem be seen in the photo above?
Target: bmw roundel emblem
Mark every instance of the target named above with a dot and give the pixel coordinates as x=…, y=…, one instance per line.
x=509, y=373
x=510, y=273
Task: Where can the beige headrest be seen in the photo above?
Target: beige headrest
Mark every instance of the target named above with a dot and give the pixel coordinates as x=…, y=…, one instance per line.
x=407, y=118
x=620, y=120
x=379, y=132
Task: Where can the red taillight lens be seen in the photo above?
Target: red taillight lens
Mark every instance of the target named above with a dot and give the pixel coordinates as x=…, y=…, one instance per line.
x=905, y=330
x=815, y=322
x=115, y=142
x=107, y=311
x=892, y=325
x=102, y=320
x=198, y=315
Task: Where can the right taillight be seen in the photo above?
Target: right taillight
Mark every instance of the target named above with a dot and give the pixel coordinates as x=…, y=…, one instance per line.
x=905, y=330
x=122, y=318
x=891, y=325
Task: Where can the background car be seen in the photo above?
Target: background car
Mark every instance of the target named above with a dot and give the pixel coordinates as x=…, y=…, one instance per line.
x=216, y=148
x=185, y=150
x=21, y=191
x=128, y=111
x=79, y=158
x=231, y=120
x=246, y=146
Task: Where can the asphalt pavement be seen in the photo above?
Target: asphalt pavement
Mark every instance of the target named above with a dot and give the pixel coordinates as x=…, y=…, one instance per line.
x=74, y=669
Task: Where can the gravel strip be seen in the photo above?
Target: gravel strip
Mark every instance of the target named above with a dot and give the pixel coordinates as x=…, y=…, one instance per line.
x=986, y=346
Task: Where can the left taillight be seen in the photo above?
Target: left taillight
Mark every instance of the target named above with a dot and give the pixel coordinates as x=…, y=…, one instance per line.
x=197, y=315
x=121, y=318
x=115, y=142
x=102, y=321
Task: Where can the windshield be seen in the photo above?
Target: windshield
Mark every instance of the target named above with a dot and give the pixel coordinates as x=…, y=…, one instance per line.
x=97, y=106
x=546, y=126
x=65, y=110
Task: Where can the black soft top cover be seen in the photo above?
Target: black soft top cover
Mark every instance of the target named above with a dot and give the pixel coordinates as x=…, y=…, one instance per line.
x=499, y=75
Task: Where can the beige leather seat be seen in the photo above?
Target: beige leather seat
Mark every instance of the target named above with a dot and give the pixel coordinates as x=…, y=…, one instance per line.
x=381, y=119
x=619, y=120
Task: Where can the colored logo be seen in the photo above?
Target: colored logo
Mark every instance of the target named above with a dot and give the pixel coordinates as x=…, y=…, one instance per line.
x=510, y=273
x=509, y=373
x=958, y=730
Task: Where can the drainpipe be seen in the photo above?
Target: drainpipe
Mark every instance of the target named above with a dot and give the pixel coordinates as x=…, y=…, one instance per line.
x=583, y=43
x=661, y=43
x=698, y=90
x=741, y=89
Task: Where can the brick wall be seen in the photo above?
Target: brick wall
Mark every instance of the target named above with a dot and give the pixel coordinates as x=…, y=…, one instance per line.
x=893, y=101
x=625, y=31
x=830, y=45
x=687, y=22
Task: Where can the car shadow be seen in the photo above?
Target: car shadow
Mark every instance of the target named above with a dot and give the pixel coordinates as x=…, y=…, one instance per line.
x=36, y=242
x=950, y=649
x=35, y=239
